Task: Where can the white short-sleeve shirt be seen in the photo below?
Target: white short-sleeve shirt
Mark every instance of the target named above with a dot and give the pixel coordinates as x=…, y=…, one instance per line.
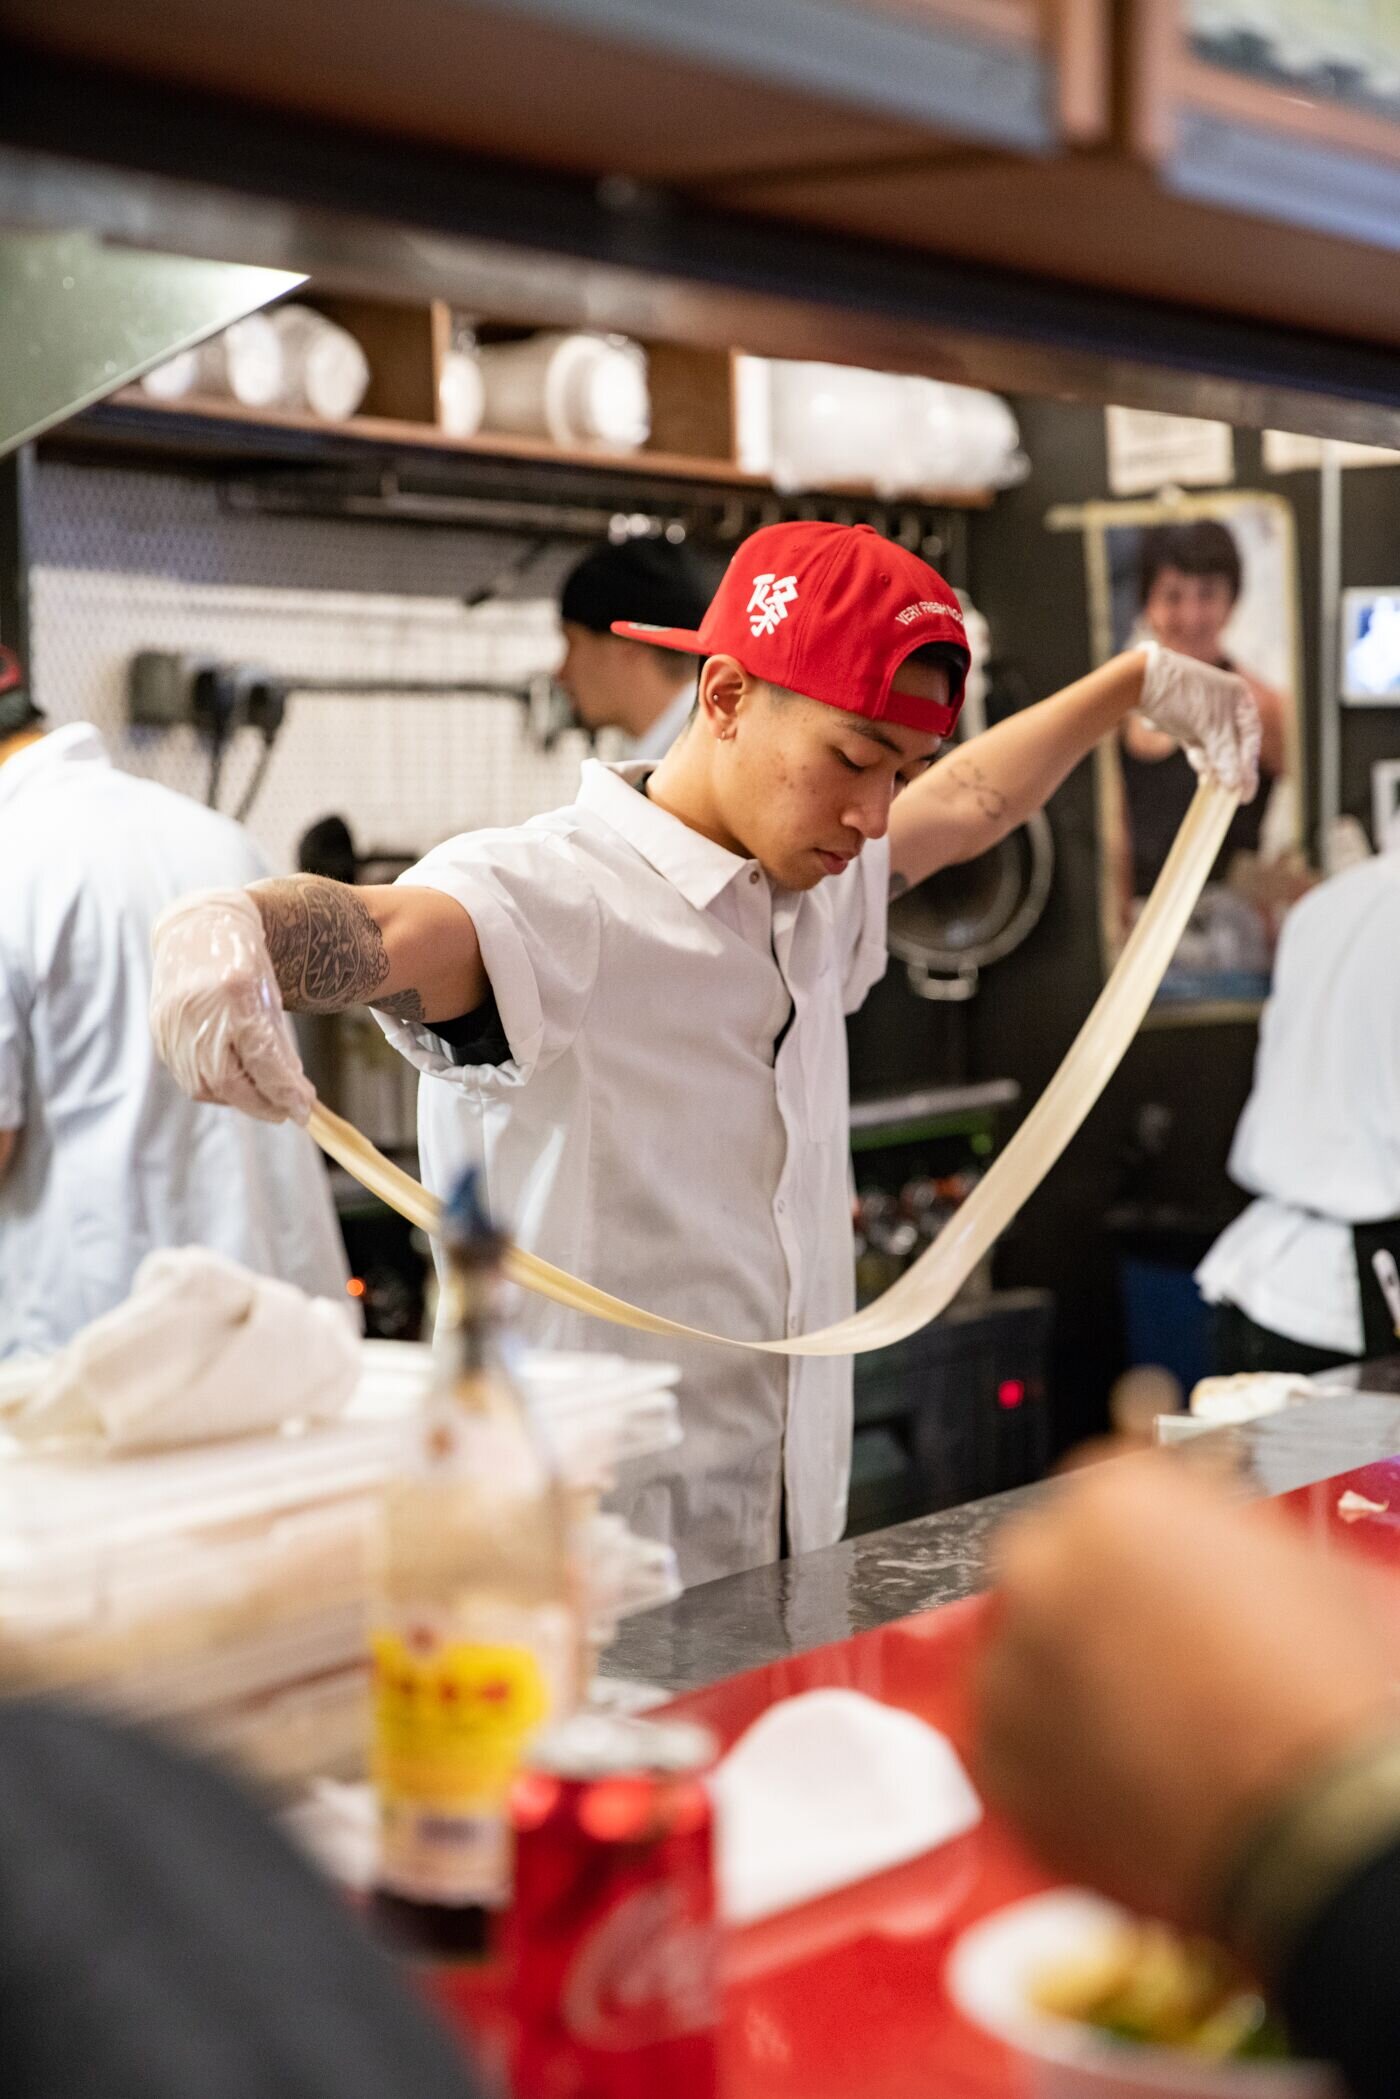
x=671, y=1124
x=113, y=1161
x=1318, y=1143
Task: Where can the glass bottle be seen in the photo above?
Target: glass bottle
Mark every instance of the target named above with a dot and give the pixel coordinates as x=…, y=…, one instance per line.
x=475, y=1631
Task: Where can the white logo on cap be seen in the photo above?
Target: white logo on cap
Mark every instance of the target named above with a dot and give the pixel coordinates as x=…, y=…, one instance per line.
x=927, y=605
x=771, y=597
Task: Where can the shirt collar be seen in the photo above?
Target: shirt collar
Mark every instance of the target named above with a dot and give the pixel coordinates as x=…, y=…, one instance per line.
x=77, y=742
x=692, y=863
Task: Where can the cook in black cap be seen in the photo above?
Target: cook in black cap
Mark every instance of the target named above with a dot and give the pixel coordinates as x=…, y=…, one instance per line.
x=615, y=683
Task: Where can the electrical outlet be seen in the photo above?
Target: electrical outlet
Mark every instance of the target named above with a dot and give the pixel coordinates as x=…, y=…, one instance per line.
x=165, y=688
x=160, y=688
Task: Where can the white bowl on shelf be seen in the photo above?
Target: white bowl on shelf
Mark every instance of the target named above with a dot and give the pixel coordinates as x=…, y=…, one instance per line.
x=325, y=371
x=243, y=363
x=461, y=393
x=571, y=389
x=991, y=1975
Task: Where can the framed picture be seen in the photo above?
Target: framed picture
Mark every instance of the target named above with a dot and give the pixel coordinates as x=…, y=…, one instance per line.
x=1214, y=576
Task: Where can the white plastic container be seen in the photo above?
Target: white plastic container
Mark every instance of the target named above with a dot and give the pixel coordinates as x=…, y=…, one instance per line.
x=831, y=425
x=224, y=1587
x=991, y=1975
x=571, y=389
x=834, y=425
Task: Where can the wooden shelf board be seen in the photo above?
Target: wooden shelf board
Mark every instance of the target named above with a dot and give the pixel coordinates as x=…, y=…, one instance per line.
x=382, y=432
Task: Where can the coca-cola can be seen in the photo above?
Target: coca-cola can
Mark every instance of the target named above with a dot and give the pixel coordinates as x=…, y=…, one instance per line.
x=611, y=1941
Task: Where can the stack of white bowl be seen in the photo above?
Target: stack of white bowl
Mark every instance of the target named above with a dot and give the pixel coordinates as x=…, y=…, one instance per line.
x=292, y=359
x=822, y=426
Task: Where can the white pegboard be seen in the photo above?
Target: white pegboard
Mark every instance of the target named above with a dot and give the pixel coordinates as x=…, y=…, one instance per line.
x=128, y=561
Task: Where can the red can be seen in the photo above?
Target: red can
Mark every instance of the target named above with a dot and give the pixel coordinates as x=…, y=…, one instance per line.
x=612, y=1940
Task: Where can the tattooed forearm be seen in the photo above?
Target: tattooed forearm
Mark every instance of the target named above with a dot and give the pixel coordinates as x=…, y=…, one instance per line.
x=327, y=951
x=967, y=775
x=400, y=1005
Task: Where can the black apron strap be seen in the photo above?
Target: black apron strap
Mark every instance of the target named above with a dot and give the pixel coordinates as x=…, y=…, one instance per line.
x=1378, y=1328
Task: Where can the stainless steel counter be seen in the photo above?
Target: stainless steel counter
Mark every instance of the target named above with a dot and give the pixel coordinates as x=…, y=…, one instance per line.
x=748, y=1619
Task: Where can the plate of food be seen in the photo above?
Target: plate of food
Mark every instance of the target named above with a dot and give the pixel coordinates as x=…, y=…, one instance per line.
x=1100, y=2004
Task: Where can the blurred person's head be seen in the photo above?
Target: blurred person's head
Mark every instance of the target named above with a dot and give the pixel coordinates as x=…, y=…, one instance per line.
x=615, y=682
x=20, y=719
x=328, y=848
x=1188, y=580
x=833, y=670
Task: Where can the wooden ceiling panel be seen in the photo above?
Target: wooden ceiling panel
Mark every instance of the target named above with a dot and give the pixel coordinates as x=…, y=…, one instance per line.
x=1095, y=220
x=465, y=77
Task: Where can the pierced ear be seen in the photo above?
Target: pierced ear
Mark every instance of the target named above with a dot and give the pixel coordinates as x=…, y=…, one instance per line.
x=723, y=685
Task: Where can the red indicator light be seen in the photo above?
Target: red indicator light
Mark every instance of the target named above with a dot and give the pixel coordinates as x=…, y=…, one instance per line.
x=1010, y=1393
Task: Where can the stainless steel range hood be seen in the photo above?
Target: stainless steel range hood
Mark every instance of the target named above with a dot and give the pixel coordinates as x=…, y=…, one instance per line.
x=80, y=317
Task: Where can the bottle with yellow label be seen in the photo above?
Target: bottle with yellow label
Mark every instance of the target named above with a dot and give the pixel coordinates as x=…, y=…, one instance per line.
x=475, y=1636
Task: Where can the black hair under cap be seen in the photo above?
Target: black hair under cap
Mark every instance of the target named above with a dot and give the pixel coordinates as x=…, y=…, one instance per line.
x=650, y=580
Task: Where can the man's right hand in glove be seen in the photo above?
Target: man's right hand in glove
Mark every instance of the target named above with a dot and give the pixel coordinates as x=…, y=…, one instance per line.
x=231, y=963
x=216, y=1008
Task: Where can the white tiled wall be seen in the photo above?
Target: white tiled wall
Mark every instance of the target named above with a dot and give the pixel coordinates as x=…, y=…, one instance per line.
x=124, y=561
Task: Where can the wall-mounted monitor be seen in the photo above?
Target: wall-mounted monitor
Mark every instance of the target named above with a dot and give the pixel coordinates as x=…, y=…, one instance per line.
x=1371, y=647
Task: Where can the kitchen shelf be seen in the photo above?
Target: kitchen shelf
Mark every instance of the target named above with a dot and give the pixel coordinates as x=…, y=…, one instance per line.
x=132, y=420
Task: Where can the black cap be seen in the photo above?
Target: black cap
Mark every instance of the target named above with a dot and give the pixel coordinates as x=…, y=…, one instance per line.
x=650, y=580
x=328, y=848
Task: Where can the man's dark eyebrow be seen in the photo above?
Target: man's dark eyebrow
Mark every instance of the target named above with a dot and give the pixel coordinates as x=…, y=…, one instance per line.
x=875, y=737
x=889, y=744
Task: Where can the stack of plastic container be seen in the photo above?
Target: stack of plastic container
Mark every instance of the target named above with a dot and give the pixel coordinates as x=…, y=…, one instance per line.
x=222, y=1588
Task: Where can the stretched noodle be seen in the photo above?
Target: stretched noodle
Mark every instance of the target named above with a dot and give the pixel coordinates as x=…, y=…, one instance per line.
x=929, y=1286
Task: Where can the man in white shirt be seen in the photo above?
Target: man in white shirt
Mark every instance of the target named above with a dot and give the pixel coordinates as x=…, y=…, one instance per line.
x=632, y=1009
x=102, y=1159
x=613, y=681
x=1318, y=1144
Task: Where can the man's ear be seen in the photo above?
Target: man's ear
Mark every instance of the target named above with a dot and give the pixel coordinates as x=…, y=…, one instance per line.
x=723, y=684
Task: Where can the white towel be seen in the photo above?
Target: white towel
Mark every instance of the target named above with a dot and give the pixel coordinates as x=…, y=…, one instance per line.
x=828, y=1788
x=202, y=1349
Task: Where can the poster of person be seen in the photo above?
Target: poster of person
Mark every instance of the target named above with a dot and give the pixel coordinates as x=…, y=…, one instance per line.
x=1214, y=577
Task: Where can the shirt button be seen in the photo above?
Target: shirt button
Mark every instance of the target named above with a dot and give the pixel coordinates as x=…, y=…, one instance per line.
x=780, y=1206
x=793, y=1323
x=753, y=874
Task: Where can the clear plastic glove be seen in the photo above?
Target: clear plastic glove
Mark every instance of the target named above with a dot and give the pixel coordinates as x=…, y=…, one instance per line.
x=1211, y=713
x=216, y=1011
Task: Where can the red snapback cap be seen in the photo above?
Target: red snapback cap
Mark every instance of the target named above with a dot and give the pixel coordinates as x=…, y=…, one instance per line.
x=830, y=611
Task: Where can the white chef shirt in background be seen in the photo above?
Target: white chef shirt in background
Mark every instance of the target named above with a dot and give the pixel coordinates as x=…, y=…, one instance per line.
x=1319, y=1140
x=643, y=1136
x=656, y=741
x=113, y=1161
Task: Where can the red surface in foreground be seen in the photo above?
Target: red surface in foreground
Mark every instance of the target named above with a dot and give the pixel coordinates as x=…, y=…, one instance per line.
x=844, y=1998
